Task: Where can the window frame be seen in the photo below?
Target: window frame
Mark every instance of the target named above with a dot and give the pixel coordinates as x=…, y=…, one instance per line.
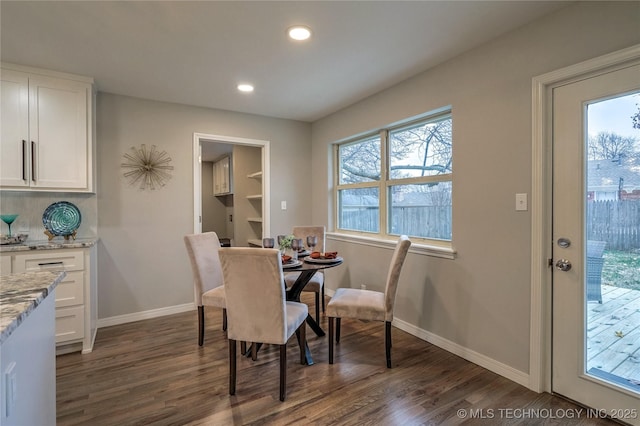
x=385, y=184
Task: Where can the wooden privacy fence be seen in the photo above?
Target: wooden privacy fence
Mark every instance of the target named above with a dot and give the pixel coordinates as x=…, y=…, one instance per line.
x=615, y=221
x=417, y=221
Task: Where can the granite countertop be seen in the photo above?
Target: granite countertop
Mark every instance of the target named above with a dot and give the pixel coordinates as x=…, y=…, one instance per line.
x=20, y=294
x=49, y=245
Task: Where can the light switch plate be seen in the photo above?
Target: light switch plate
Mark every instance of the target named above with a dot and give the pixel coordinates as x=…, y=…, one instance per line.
x=521, y=202
x=283, y=205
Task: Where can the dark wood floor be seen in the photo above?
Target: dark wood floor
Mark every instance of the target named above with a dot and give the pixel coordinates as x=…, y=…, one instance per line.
x=153, y=372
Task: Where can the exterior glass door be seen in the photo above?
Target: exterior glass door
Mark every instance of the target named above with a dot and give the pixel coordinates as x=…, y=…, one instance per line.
x=596, y=246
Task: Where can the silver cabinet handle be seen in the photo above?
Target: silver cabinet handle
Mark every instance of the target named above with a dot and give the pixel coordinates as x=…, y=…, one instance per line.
x=24, y=158
x=33, y=161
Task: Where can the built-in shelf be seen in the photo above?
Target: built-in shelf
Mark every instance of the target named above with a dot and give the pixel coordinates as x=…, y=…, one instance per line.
x=254, y=196
x=257, y=243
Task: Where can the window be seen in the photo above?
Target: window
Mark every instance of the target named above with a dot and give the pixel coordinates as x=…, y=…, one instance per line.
x=398, y=181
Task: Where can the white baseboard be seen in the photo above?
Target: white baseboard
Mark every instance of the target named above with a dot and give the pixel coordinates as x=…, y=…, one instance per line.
x=153, y=313
x=484, y=361
x=93, y=341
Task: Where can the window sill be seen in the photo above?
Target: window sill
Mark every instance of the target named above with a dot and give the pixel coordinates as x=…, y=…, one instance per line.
x=445, y=251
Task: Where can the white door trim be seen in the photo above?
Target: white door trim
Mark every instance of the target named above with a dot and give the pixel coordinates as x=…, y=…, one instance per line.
x=540, y=322
x=197, y=176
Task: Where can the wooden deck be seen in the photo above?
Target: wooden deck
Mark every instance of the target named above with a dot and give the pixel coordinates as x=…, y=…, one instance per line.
x=613, y=333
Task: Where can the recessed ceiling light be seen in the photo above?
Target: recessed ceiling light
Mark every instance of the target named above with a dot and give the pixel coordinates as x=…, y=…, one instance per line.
x=245, y=87
x=299, y=32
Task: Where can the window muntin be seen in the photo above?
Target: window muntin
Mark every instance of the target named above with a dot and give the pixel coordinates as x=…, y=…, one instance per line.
x=413, y=196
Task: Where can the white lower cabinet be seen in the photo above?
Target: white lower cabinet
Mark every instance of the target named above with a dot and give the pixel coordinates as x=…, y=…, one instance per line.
x=5, y=265
x=69, y=323
x=76, y=314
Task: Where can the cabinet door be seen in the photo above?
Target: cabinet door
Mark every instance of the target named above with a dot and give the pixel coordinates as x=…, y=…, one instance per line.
x=14, y=164
x=216, y=178
x=225, y=175
x=59, y=130
x=5, y=264
x=70, y=291
x=222, y=176
x=69, y=324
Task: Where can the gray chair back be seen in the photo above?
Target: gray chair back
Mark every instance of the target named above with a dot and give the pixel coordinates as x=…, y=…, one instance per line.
x=205, y=263
x=391, y=288
x=255, y=293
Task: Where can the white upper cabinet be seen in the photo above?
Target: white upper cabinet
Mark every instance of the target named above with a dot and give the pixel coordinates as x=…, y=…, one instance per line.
x=47, y=133
x=222, y=178
x=14, y=145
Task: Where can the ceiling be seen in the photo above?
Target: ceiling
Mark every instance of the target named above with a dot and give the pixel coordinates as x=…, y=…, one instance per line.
x=196, y=53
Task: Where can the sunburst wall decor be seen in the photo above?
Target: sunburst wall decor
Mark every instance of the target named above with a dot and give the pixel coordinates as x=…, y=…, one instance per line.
x=148, y=167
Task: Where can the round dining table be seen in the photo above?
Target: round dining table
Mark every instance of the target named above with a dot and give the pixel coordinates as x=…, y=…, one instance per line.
x=307, y=269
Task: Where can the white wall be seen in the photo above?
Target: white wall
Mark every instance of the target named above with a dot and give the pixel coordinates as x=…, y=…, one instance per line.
x=480, y=300
x=143, y=263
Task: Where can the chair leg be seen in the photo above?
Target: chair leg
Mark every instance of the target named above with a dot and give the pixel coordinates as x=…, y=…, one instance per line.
x=254, y=351
x=224, y=320
x=387, y=341
x=200, y=325
x=232, y=367
x=323, y=302
x=243, y=347
x=331, y=340
x=302, y=341
x=318, y=307
x=338, y=329
x=283, y=371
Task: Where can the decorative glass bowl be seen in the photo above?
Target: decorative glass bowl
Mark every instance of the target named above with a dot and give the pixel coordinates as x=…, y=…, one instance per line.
x=61, y=219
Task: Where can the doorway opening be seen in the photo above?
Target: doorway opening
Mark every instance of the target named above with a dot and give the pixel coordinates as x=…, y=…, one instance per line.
x=231, y=188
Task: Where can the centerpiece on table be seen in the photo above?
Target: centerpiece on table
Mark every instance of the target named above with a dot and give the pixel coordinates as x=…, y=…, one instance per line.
x=285, y=242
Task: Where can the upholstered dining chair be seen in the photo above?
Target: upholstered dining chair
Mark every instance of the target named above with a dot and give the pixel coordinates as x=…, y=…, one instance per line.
x=368, y=304
x=207, y=276
x=316, y=284
x=257, y=308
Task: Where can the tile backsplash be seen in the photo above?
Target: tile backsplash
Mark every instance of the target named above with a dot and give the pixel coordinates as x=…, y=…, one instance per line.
x=31, y=205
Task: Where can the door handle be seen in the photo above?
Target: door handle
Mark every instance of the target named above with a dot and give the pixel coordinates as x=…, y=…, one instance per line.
x=563, y=265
